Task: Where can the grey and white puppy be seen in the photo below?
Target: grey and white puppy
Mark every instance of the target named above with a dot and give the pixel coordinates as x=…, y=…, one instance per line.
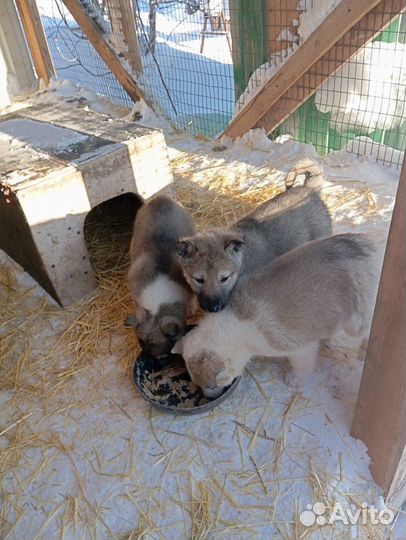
x=155, y=278
x=213, y=261
x=285, y=309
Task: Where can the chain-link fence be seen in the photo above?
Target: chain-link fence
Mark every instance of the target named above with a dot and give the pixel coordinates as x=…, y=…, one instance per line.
x=201, y=60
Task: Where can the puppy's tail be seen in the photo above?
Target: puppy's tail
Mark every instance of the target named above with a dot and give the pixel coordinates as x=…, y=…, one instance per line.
x=312, y=170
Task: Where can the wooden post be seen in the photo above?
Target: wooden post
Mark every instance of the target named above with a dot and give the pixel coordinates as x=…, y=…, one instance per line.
x=105, y=50
x=249, y=39
x=124, y=34
x=380, y=414
x=343, y=17
x=37, y=42
x=363, y=32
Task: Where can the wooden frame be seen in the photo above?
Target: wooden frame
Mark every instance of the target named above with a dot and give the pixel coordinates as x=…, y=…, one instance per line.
x=36, y=39
x=105, y=50
x=380, y=414
x=362, y=33
x=343, y=17
x=124, y=33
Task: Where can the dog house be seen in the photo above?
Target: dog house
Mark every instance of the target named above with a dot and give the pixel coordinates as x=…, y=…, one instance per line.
x=56, y=166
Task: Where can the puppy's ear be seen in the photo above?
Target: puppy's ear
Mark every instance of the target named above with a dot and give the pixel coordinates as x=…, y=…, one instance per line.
x=136, y=319
x=234, y=244
x=172, y=327
x=178, y=347
x=186, y=248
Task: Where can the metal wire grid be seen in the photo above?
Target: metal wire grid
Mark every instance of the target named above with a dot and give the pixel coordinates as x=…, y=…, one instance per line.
x=195, y=76
x=75, y=59
x=361, y=107
x=187, y=62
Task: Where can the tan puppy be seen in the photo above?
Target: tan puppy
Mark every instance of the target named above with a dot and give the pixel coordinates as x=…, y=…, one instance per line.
x=285, y=309
x=213, y=261
x=155, y=279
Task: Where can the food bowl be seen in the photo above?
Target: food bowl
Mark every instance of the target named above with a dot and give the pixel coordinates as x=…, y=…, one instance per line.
x=165, y=383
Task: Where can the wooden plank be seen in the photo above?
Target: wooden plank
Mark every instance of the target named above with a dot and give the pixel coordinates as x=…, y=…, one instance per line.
x=36, y=39
x=124, y=34
x=15, y=52
x=380, y=414
x=363, y=32
x=343, y=17
x=105, y=50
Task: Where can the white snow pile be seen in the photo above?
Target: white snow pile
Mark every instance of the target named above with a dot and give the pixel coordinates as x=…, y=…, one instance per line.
x=96, y=15
x=312, y=16
x=262, y=75
x=47, y=137
x=372, y=89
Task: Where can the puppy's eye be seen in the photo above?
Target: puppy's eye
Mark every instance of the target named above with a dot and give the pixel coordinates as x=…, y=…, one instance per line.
x=199, y=279
x=223, y=279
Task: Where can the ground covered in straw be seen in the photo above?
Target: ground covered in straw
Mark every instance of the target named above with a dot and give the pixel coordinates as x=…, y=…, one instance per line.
x=83, y=456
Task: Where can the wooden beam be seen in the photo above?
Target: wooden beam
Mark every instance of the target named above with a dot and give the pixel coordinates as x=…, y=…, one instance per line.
x=380, y=414
x=363, y=32
x=105, y=50
x=36, y=39
x=343, y=17
x=124, y=34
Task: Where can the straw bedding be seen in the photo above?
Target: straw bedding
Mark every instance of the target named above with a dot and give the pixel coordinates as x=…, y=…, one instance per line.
x=82, y=456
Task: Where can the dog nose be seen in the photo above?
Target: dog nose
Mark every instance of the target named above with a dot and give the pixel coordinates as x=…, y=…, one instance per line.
x=212, y=305
x=216, y=307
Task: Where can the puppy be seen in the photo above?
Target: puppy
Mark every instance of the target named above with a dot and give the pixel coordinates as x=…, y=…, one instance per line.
x=155, y=279
x=213, y=261
x=285, y=309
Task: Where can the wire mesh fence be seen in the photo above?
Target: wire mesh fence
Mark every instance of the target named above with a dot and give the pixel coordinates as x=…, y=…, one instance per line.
x=362, y=107
x=75, y=59
x=201, y=60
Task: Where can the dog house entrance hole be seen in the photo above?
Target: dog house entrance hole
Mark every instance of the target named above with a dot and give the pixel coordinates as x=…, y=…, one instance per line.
x=107, y=233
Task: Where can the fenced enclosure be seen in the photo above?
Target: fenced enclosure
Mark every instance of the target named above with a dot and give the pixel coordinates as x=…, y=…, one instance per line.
x=201, y=61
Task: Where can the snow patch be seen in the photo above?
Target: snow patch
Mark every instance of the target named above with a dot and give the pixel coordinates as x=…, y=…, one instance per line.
x=46, y=137
x=372, y=89
x=311, y=17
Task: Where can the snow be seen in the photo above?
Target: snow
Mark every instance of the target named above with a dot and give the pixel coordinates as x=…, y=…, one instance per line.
x=375, y=89
x=365, y=146
x=193, y=90
x=125, y=467
x=45, y=137
x=313, y=15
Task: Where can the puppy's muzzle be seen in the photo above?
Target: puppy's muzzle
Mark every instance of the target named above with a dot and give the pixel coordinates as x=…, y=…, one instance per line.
x=212, y=393
x=212, y=305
